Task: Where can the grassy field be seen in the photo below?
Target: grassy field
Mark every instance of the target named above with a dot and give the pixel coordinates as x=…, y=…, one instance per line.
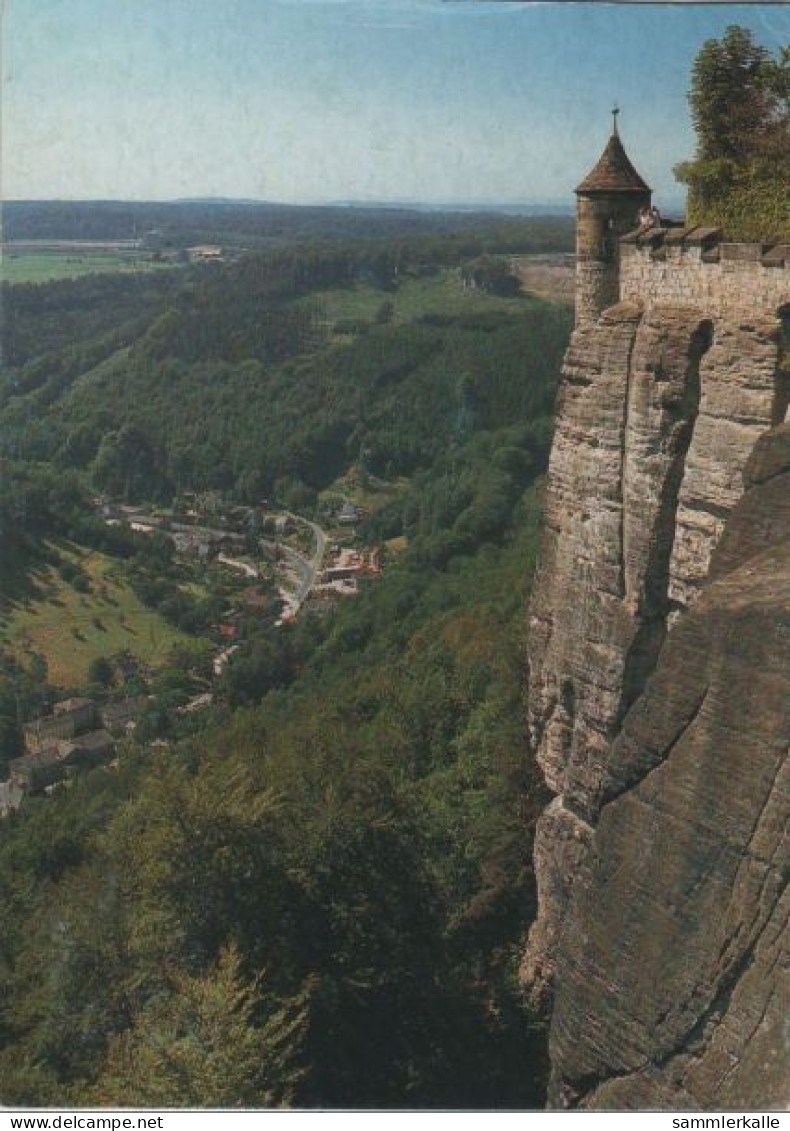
x=42, y=267
x=70, y=629
x=441, y=293
x=367, y=492
x=397, y=545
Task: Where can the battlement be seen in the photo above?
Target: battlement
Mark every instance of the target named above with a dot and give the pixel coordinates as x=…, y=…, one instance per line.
x=698, y=266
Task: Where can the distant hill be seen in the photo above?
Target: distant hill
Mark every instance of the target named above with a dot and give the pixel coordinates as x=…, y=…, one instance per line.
x=258, y=224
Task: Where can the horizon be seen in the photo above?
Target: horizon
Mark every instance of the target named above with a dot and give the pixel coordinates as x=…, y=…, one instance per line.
x=405, y=204
x=348, y=103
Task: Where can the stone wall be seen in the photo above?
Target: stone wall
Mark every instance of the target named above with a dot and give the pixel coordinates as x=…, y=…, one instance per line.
x=602, y=219
x=694, y=267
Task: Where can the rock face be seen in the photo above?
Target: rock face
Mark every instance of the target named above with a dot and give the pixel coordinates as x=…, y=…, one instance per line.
x=658, y=413
x=675, y=954
x=742, y=393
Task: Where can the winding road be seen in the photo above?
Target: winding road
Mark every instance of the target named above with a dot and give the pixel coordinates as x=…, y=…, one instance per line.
x=306, y=568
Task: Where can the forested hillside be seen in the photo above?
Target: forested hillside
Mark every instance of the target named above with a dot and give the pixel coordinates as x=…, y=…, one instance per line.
x=241, y=382
x=317, y=895
x=318, y=900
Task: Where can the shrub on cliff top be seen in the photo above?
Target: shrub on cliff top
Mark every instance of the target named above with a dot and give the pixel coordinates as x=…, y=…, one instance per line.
x=740, y=106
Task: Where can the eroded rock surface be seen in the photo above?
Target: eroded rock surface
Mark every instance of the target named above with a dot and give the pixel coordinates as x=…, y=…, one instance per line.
x=657, y=415
x=674, y=954
x=625, y=419
x=739, y=394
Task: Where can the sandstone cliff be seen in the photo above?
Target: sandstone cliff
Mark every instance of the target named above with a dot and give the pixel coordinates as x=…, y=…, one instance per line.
x=659, y=862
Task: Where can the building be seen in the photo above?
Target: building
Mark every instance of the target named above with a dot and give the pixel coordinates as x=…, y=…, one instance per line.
x=608, y=202
x=69, y=718
x=221, y=661
x=345, y=567
x=81, y=710
x=672, y=264
x=34, y=772
x=65, y=740
x=11, y=797
x=350, y=515
x=43, y=732
x=205, y=253
x=58, y=759
x=92, y=749
x=200, y=703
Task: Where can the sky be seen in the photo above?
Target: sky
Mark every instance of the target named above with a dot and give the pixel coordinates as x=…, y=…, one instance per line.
x=302, y=101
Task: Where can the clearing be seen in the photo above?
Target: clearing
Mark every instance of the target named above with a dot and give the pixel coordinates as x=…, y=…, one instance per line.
x=440, y=293
x=69, y=628
x=44, y=267
x=363, y=490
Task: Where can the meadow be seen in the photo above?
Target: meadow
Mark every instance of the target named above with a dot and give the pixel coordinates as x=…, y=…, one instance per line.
x=45, y=267
x=70, y=628
x=417, y=297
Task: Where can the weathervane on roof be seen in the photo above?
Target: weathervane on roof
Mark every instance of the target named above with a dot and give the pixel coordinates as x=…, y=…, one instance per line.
x=615, y=112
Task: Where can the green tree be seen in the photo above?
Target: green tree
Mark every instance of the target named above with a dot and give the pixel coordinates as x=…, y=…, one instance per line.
x=127, y=465
x=262, y=665
x=740, y=107
x=197, y=1044
x=731, y=98
x=101, y=671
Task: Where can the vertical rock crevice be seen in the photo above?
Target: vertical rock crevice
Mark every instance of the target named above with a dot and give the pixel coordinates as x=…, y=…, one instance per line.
x=675, y=939
x=661, y=868
x=738, y=403
x=657, y=413
x=652, y=481
x=626, y=412
x=781, y=401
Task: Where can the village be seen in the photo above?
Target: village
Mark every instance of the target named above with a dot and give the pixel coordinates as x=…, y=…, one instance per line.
x=310, y=566
x=266, y=547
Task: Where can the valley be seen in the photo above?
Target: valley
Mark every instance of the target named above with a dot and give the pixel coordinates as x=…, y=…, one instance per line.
x=287, y=509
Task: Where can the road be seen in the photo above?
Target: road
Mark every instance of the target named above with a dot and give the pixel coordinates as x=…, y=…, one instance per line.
x=306, y=568
x=314, y=563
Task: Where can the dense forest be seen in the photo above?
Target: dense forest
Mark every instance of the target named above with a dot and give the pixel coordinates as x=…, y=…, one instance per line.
x=239, y=382
x=319, y=899
x=317, y=895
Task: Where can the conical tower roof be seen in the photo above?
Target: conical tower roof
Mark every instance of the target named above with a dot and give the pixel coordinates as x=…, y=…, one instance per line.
x=613, y=171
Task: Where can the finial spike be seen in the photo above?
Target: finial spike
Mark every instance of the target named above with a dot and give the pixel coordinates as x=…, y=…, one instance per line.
x=615, y=112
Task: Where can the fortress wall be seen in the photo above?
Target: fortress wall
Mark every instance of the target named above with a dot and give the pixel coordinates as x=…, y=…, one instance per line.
x=732, y=277
x=597, y=288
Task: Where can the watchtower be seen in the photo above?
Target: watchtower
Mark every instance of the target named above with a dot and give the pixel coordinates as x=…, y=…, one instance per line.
x=608, y=202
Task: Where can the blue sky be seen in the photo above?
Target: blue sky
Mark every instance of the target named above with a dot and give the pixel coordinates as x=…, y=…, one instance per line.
x=335, y=100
